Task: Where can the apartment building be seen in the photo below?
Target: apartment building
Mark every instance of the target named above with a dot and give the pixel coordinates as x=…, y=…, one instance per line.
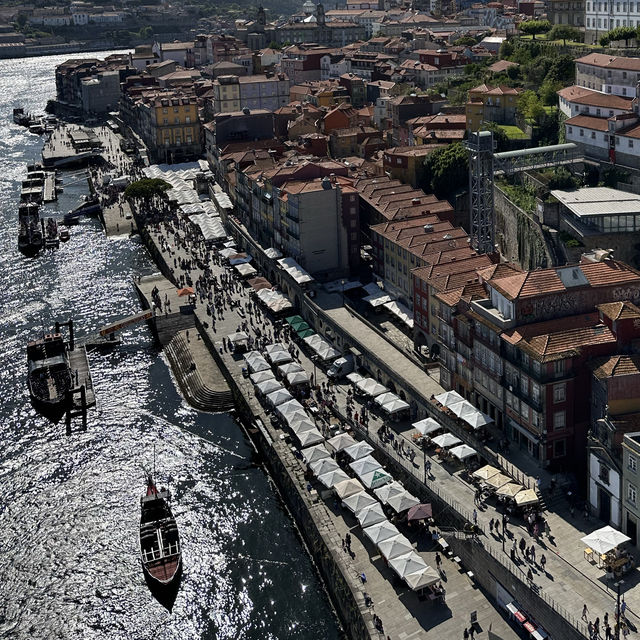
x=491, y=104
x=232, y=93
x=601, y=16
x=608, y=74
x=630, y=483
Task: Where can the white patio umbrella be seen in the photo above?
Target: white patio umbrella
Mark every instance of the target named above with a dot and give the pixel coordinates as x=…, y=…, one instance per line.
x=605, y=539
x=446, y=440
x=309, y=437
x=376, y=479
x=268, y=386
x=449, y=397
x=383, y=398
x=274, y=348
x=320, y=467
x=402, y=501
x=511, y=489
x=289, y=408
x=395, y=406
x=238, y=337
x=380, y=532
x=409, y=563
x=485, y=472
x=476, y=418
x=348, y=488
x=359, y=501
x=278, y=397
x=498, y=480
x=261, y=376
x=341, y=441
x=359, y=450
x=422, y=578
x=461, y=407
x=354, y=377
x=364, y=465
x=395, y=547
x=371, y=387
x=463, y=451
x=315, y=453
x=333, y=477
x=371, y=515
x=389, y=490
x=528, y=496
x=427, y=426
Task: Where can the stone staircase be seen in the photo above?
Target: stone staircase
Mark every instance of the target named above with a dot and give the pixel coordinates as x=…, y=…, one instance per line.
x=196, y=391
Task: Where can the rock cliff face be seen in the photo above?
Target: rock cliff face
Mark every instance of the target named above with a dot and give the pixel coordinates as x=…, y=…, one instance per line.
x=519, y=237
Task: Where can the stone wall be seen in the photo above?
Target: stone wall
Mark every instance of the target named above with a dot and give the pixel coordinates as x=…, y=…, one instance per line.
x=518, y=236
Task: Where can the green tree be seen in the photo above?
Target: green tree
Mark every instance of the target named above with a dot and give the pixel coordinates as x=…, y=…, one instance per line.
x=530, y=106
x=619, y=33
x=534, y=27
x=466, y=41
x=146, y=188
x=506, y=50
x=500, y=137
x=564, y=32
x=548, y=92
x=562, y=69
x=447, y=170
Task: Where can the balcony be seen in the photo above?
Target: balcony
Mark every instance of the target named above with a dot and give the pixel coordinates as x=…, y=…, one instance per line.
x=536, y=405
x=486, y=309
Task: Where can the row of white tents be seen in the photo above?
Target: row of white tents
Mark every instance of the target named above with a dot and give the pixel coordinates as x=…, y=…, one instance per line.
x=463, y=409
x=457, y=448
x=389, y=402
x=392, y=545
x=323, y=349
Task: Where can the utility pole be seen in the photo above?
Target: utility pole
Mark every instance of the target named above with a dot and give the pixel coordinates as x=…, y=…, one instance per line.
x=618, y=614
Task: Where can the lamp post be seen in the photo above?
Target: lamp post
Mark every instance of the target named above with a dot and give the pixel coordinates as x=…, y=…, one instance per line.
x=504, y=533
x=343, y=281
x=618, y=615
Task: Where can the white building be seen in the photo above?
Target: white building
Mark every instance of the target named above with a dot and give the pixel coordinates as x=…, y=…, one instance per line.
x=577, y=100
x=604, y=489
x=602, y=16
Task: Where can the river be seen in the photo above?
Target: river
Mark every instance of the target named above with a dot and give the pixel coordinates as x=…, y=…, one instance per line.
x=69, y=505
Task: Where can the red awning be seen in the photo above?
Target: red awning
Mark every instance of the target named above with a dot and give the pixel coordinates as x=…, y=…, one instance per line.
x=529, y=627
x=519, y=616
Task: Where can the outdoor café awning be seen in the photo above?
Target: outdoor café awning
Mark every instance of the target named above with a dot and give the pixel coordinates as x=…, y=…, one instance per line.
x=526, y=497
x=422, y=578
x=511, y=489
x=407, y=564
x=395, y=406
x=395, y=547
x=360, y=500
x=245, y=270
x=371, y=387
x=446, y=440
x=463, y=451
x=498, y=480
x=427, y=426
x=448, y=398
x=400, y=311
x=259, y=283
x=461, y=407
x=377, y=296
x=295, y=270
x=420, y=512
x=486, y=472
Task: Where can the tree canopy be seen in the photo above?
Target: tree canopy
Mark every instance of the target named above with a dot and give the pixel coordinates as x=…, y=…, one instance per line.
x=565, y=32
x=619, y=33
x=146, y=188
x=530, y=106
x=534, y=27
x=447, y=170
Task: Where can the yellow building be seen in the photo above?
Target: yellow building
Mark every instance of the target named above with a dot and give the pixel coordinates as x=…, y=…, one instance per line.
x=170, y=126
x=491, y=104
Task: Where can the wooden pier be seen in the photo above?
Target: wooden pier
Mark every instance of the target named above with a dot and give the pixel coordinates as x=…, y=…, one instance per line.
x=82, y=395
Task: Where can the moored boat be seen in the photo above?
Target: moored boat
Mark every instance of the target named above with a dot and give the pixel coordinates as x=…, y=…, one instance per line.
x=160, y=549
x=49, y=375
x=30, y=238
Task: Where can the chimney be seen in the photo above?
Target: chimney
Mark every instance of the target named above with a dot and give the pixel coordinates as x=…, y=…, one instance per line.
x=428, y=228
x=332, y=177
x=415, y=202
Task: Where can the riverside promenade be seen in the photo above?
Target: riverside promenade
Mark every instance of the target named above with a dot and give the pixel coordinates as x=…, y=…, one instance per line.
x=404, y=616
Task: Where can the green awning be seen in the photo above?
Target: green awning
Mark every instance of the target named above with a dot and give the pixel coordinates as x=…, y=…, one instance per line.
x=294, y=320
x=300, y=326
x=305, y=333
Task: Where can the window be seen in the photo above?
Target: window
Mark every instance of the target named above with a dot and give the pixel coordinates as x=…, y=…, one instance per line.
x=558, y=367
x=559, y=393
x=632, y=463
x=593, y=135
x=559, y=449
x=630, y=144
x=165, y=121
x=176, y=120
x=581, y=133
x=165, y=110
x=603, y=474
x=559, y=419
x=187, y=119
x=570, y=129
x=631, y=493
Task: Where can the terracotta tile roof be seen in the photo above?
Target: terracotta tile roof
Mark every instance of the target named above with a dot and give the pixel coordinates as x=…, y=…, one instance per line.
x=610, y=62
x=436, y=275
x=560, y=338
x=502, y=65
x=474, y=291
x=620, y=365
x=609, y=272
x=588, y=122
x=619, y=310
x=499, y=270
x=582, y=95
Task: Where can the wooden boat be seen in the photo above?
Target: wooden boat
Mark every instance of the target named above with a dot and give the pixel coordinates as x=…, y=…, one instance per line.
x=49, y=375
x=30, y=237
x=160, y=549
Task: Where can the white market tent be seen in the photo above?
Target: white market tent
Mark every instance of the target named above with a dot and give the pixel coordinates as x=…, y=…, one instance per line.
x=272, y=253
x=341, y=441
x=359, y=501
x=227, y=252
x=261, y=376
x=326, y=465
x=307, y=438
x=268, y=386
x=389, y=490
x=464, y=406
x=359, y=450
x=321, y=347
x=395, y=547
x=380, y=532
x=371, y=515
x=486, y=472
x=476, y=419
x=365, y=465
x=238, y=337
x=295, y=270
x=245, y=270
x=402, y=501
x=256, y=362
x=278, y=397
x=377, y=296
x=511, y=489
x=446, y=440
x=279, y=357
x=462, y=452
x=275, y=348
x=333, y=478
x=448, y=398
x=395, y=406
x=400, y=311
x=498, y=480
x=348, y=488
x=427, y=426
x=371, y=387
x=315, y=453
x=273, y=300
x=376, y=479
x=354, y=377
x=297, y=377
x=300, y=424
x=288, y=409
x=421, y=579
x=210, y=227
x=240, y=258
x=290, y=367
x=605, y=539
x=385, y=397
x=526, y=497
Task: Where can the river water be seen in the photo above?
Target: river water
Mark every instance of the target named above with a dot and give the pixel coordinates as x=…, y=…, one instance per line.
x=69, y=505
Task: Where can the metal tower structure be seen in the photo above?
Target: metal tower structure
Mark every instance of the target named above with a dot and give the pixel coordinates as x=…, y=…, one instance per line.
x=480, y=146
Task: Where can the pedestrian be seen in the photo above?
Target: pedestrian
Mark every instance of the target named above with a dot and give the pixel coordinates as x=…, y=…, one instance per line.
x=585, y=611
x=590, y=630
x=491, y=525
x=475, y=517
x=532, y=552
x=529, y=576
x=523, y=545
x=472, y=632
x=465, y=635
x=607, y=632
x=438, y=561
x=605, y=620
x=623, y=608
x=543, y=562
